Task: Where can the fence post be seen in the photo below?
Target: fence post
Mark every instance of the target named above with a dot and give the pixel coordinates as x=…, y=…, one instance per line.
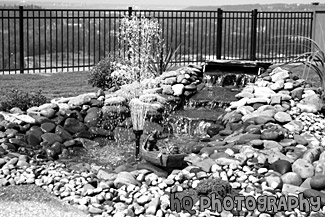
x=130, y=11
x=21, y=39
x=219, y=33
x=253, y=35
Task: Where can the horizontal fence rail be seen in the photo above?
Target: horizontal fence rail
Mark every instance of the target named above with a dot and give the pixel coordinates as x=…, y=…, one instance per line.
x=73, y=40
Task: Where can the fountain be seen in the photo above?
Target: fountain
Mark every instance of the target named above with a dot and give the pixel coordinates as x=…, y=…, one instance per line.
x=138, y=116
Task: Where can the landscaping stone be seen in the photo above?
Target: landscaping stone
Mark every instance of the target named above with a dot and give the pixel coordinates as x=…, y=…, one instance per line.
x=303, y=168
x=318, y=182
x=291, y=178
x=281, y=166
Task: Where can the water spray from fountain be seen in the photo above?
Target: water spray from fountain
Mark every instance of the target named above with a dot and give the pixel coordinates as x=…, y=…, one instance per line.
x=138, y=116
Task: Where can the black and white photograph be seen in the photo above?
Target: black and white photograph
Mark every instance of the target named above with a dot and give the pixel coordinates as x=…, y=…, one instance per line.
x=174, y=108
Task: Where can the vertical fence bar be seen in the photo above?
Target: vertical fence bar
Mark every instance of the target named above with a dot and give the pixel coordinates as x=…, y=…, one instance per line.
x=34, y=59
x=45, y=50
x=2, y=43
x=21, y=39
x=15, y=38
x=253, y=35
x=51, y=44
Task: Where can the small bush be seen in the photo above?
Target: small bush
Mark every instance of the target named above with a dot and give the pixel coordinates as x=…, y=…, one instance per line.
x=22, y=100
x=218, y=186
x=100, y=74
x=112, y=72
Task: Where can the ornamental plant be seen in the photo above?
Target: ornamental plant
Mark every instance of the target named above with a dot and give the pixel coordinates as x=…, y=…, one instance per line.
x=22, y=99
x=313, y=60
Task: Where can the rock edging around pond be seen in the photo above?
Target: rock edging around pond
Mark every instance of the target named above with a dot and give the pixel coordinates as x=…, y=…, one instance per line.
x=265, y=149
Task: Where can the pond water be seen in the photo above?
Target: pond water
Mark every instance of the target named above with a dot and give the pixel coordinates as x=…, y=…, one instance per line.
x=185, y=127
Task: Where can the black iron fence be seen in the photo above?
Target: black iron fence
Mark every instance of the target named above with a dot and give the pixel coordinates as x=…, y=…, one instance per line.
x=54, y=40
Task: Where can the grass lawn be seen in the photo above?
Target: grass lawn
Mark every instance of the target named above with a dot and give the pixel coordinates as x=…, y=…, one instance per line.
x=67, y=84
x=52, y=84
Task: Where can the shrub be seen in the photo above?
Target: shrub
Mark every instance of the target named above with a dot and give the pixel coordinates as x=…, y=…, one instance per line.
x=218, y=186
x=112, y=72
x=100, y=74
x=22, y=100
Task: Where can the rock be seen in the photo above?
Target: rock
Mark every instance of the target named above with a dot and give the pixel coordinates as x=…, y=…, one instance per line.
x=80, y=100
x=94, y=210
x=287, y=142
x=73, y=126
x=51, y=138
x=124, y=168
x=169, y=74
x=309, y=108
x=169, y=81
x=2, y=162
x=57, y=148
x=272, y=145
x=318, y=182
x=292, y=189
x=297, y=93
x=282, y=117
x=26, y=118
x=265, y=92
x=270, y=135
x=125, y=178
x=275, y=99
x=178, y=89
x=261, y=120
x=48, y=112
x=214, y=129
x=225, y=132
x=92, y=117
x=257, y=143
x=288, y=86
x=291, y=178
x=190, y=87
x=114, y=101
x=306, y=184
x=33, y=137
x=278, y=85
x=280, y=75
x=260, y=113
x=303, y=168
x=205, y=164
x=65, y=135
x=246, y=138
x=309, y=193
x=158, y=171
x=51, y=154
x=281, y=166
x=294, y=126
x=227, y=161
x=12, y=162
x=153, y=205
x=274, y=182
x=48, y=127
x=300, y=139
x=253, y=129
x=312, y=154
x=21, y=164
x=244, y=95
x=167, y=90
